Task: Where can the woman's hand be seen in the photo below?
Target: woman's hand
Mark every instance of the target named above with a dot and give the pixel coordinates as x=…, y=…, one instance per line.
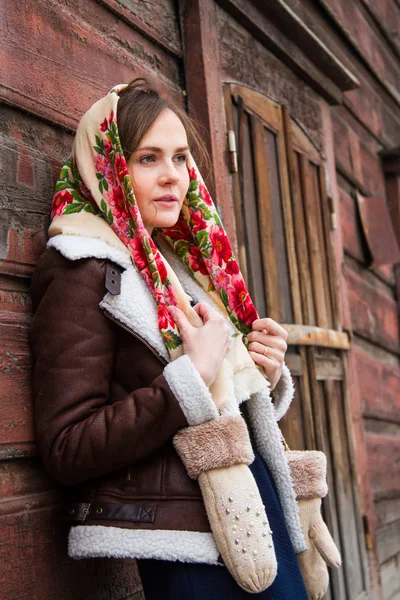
x=207, y=345
x=267, y=347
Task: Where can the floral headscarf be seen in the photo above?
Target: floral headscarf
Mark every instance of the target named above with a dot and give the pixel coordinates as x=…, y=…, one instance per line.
x=95, y=180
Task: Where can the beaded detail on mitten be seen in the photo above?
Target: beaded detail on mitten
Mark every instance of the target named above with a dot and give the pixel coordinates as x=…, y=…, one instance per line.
x=217, y=453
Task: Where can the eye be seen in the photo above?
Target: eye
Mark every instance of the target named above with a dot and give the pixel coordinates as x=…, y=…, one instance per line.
x=181, y=158
x=147, y=159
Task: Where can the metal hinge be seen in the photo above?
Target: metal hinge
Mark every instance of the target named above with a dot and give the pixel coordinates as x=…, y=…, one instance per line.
x=233, y=162
x=367, y=533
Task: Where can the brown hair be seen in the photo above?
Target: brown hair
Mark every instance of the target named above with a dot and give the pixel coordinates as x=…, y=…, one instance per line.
x=139, y=105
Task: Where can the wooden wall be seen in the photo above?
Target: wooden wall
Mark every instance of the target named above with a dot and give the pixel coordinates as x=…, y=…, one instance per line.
x=56, y=60
x=365, y=35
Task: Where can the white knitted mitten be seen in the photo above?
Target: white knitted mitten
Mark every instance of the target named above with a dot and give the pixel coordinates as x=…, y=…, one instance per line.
x=308, y=470
x=217, y=453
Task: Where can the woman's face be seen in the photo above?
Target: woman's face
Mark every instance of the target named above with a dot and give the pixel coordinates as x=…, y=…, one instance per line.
x=158, y=171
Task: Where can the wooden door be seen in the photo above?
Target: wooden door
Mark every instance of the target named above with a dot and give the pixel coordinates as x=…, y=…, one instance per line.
x=283, y=231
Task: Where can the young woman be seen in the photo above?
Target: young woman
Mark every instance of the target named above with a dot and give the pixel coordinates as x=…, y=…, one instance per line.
x=145, y=342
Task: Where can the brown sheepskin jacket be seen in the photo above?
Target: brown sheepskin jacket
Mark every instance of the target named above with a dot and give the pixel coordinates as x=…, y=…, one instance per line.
x=107, y=404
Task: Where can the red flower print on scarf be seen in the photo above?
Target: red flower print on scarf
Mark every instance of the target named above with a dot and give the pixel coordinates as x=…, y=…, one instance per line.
x=101, y=163
x=138, y=253
x=60, y=200
x=105, y=124
x=164, y=319
x=232, y=267
x=204, y=194
x=117, y=200
x=180, y=231
x=192, y=174
x=221, y=248
x=196, y=261
x=240, y=302
x=107, y=148
x=120, y=166
x=198, y=221
x=161, y=267
x=221, y=279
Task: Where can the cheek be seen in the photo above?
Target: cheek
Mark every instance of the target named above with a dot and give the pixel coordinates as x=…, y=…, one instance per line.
x=140, y=184
x=184, y=184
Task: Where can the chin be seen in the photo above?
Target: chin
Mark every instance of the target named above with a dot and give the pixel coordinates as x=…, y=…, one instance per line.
x=166, y=220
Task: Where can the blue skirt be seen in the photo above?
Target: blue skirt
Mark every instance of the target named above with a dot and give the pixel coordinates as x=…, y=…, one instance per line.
x=166, y=580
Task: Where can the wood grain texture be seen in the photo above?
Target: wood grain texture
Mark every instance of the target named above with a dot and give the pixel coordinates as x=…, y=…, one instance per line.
x=383, y=452
x=374, y=314
x=379, y=386
x=58, y=62
x=354, y=24
x=33, y=554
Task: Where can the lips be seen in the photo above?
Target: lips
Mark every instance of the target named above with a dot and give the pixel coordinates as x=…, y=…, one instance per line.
x=167, y=198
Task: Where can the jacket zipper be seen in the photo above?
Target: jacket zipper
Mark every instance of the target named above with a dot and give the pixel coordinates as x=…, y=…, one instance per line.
x=136, y=335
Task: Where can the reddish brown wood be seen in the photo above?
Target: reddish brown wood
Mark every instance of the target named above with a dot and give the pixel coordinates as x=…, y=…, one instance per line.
x=383, y=452
x=350, y=227
x=33, y=554
x=355, y=26
x=374, y=315
x=378, y=231
x=205, y=99
x=63, y=64
x=379, y=387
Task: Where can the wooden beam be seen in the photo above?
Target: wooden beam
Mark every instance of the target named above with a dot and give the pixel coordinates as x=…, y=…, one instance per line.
x=313, y=47
x=205, y=99
x=268, y=34
x=316, y=336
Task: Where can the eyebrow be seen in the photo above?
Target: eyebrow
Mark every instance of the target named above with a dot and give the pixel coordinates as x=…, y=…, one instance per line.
x=156, y=149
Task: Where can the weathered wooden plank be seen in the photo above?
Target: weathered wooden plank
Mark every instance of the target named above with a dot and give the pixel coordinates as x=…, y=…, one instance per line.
x=378, y=231
x=265, y=161
x=370, y=103
x=355, y=161
x=379, y=383
x=246, y=60
x=388, y=539
x=386, y=13
x=383, y=453
x=263, y=30
x=346, y=499
x=352, y=20
x=349, y=225
x=32, y=153
x=387, y=511
x=156, y=19
x=55, y=65
x=316, y=336
x=23, y=477
x=205, y=98
x=374, y=314
x=248, y=176
x=15, y=381
x=37, y=539
x=390, y=572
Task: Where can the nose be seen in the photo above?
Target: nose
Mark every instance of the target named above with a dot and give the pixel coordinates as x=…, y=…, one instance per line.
x=169, y=173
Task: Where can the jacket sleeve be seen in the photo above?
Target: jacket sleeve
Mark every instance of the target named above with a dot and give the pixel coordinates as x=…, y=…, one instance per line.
x=80, y=434
x=283, y=393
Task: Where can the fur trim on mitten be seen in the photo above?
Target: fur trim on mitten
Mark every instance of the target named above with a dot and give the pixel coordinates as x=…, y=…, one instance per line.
x=308, y=470
x=219, y=443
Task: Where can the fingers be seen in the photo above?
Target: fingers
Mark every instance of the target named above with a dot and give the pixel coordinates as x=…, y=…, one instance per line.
x=206, y=312
x=271, y=326
x=272, y=341
x=180, y=318
x=325, y=545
